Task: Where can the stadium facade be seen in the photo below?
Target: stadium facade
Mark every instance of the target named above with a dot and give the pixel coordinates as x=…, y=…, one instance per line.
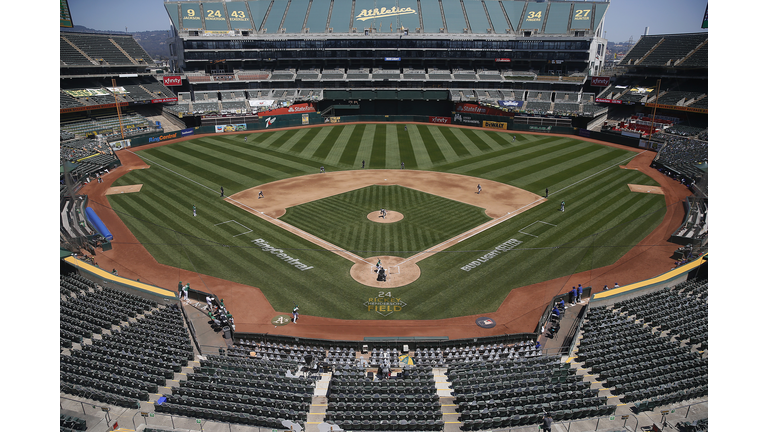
x=546, y=37
x=324, y=50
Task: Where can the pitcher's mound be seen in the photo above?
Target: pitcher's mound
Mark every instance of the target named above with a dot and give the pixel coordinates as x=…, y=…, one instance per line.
x=392, y=216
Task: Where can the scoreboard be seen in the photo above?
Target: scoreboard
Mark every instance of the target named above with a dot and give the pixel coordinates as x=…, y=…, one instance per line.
x=65, y=18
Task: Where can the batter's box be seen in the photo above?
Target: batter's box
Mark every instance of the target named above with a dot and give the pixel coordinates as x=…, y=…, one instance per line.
x=238, y=230
x=393, y=270
x=536, y=229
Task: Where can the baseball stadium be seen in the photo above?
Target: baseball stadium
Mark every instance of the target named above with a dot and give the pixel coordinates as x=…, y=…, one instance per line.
x=409, y=215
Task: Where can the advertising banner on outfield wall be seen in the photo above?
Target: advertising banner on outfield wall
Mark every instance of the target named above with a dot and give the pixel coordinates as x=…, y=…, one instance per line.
x=494, y=125
x=440, y=120
x=465, y=120
x=231, y=127
x=187, y=132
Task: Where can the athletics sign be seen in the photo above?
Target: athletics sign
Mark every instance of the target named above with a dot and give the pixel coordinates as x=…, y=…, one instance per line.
x=383, y=12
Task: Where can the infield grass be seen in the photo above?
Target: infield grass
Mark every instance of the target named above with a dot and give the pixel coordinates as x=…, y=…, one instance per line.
x=341, y=220
x=602, y=221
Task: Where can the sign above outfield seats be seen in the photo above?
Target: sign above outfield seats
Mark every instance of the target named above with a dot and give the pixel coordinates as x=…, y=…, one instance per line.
x=293, y=109
x=478, y=109
x=511, y=103
x=172, y=80
x=599, y=81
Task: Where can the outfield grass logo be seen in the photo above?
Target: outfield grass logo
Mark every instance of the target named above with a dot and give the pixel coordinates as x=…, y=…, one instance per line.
x=280, y=254
x=385, y=304
x=504, y=247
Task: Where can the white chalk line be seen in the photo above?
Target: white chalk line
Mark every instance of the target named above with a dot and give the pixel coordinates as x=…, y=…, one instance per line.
x=249, y=230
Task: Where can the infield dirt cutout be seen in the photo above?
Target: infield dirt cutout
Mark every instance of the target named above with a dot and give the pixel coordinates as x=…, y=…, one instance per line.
x=646, y=189
x=123, y=189
x=500, y=201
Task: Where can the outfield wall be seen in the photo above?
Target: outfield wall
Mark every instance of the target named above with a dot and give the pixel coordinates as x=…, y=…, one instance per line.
x=238, y=124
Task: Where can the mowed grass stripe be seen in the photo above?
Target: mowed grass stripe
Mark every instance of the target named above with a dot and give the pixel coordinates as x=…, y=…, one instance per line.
x=277, y=139
x=492, y=143
x=405, y=146
x=228, y=160
x=376, y=146
x=184, y=162
x=324, y=149
x=420, y=152
x=444, y=142
x=290, y=138
x=503, y=139
x=345, y=149
x=537, y=176
x=486, y=166
x=586, y=168
x=457, y=143
x=434, y=150
x=309, y=136
x=466, y=142
x=393, y=158
x=308, y=152
x=476, y=165
x=474, y=136
x=568, y=161
x=287, y=164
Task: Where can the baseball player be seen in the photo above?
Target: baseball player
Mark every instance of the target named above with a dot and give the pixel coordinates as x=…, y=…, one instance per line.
x=479, y=189
x=562, y=206
x=194, y=211
x=261, y=194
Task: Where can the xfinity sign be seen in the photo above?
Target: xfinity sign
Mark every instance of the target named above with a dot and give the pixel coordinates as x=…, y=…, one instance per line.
x=172, y=80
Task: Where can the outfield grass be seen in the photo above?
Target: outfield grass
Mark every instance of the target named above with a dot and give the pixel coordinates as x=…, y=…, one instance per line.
x=602, y=221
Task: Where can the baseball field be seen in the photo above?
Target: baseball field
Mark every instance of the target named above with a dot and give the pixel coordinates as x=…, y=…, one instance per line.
x=314, y=238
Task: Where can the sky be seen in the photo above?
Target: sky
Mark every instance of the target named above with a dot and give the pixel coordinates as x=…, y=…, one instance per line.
x=624, y=19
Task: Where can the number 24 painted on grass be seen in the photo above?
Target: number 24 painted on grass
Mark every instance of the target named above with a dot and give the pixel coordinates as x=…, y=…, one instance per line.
x=382, y=294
